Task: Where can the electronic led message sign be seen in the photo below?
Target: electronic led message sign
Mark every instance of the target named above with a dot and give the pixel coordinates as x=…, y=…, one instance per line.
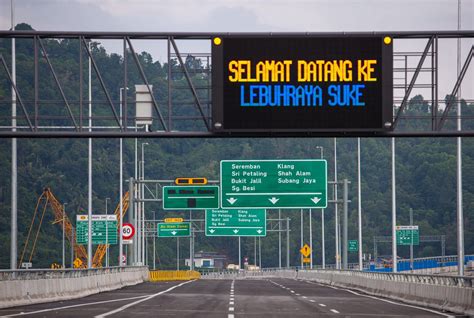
x=302, y=83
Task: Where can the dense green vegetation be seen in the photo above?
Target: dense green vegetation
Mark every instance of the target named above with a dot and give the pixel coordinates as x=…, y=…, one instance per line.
x=426, y=167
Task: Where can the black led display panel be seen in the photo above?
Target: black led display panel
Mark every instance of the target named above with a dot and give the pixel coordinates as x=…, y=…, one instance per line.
x=302, y=83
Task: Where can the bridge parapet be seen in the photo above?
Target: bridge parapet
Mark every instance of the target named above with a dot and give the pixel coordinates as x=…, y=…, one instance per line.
x=25, y=287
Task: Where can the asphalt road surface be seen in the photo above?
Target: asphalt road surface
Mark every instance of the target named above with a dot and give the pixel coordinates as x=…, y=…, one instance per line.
x=226, y=298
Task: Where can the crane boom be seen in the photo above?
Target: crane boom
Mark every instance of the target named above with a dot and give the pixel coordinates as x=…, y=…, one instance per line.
x=47, y=198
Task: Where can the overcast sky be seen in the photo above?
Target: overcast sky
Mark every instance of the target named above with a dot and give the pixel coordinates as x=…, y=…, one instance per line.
x=252, y=16
x=239, y=15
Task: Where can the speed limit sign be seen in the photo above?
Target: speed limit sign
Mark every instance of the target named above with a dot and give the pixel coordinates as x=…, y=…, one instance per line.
x=127, y=231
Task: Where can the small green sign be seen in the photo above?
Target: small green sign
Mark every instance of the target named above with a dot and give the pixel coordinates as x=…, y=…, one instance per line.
x=236, y=222
x=190, y=197
x=353, y=246
x=104, y=229
x=273, y=184
x=174, y=229
x=408, y=235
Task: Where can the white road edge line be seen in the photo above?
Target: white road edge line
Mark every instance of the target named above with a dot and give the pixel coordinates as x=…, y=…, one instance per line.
x=141, y=300
x=74, y=306
x=386, y=300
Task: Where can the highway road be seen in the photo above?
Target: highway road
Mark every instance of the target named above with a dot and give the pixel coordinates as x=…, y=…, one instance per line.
x=225, y=298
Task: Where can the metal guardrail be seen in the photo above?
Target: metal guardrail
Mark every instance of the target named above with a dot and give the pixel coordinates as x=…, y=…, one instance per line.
x=33, y=274
x=440, y=280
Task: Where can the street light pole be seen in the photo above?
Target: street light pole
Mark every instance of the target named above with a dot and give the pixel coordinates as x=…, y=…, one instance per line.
x=394, y=212
x=121, y=263
x=64, y=244
x=142, y=210
x=89, y=196
x=459, y=200
x=154, y=242
x=106, y=235
x=336, y=217
x=359, y=204
x=279, y=238
x=14, y=182
x=301, y=236
x=323, y=247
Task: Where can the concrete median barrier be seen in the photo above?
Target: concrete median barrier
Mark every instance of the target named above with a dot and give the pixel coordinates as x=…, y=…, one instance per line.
x=25, y=287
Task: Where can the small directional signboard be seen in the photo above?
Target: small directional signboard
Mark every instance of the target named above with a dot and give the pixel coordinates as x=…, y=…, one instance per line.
x=190, y=197
x=408, y=235
x=174, y=229
x=305, y=250
x=353, y=245
x=236, y=222
x=274, y=184
x=174, y=220
x=104, y=229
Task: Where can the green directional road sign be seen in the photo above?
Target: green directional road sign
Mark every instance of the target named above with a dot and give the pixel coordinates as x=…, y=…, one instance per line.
x=104, y=229
x=273, y=184
x=190, y=197
x=236, y=222
x=353, y=245
x=408, y=235
x=174, y=229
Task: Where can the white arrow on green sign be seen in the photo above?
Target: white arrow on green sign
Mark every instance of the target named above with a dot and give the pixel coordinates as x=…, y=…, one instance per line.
x=407, y=235
x=104, y=229
x=236, y=222
x=174, y=229
x=273, y=184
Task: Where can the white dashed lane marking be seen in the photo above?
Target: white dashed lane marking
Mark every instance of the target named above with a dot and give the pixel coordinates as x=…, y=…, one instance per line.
x=304, y=297
x=231, y=300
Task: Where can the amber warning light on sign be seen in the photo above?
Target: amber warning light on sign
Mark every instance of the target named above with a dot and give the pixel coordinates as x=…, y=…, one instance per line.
x=190, y=181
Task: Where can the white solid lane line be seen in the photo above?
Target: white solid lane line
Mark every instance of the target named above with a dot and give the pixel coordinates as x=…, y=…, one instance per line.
x=141, y=300
x=382, y=299
x=74, y=306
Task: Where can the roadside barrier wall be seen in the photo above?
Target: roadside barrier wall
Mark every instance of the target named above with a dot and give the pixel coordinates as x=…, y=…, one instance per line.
x=156, y=276
x=26, y=287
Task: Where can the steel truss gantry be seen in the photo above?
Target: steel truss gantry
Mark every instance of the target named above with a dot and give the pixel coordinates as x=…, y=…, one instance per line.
x=71, y=120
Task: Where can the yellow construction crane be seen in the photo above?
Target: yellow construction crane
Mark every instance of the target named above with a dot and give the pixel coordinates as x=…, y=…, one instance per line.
x=48, y=198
